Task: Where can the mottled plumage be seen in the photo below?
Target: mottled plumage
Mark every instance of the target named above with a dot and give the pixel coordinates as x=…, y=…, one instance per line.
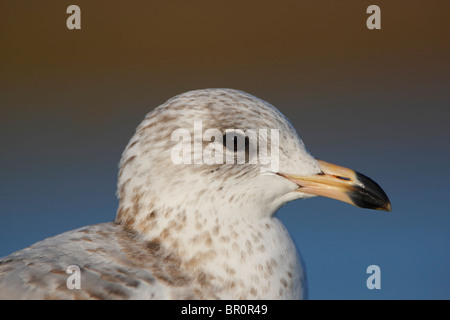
x=182, y=231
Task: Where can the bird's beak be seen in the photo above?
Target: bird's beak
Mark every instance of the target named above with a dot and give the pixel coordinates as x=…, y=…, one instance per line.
x=343, y=184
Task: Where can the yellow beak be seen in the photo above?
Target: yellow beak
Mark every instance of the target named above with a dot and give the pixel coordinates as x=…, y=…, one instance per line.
x=343, y=184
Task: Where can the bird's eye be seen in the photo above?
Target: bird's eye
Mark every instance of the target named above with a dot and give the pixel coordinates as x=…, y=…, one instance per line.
x=236, y=142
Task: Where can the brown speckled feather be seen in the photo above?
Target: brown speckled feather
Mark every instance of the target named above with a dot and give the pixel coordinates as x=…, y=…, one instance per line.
x=115, y=263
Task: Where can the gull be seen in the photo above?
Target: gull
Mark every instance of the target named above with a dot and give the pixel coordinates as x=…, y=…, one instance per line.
x=193, y=229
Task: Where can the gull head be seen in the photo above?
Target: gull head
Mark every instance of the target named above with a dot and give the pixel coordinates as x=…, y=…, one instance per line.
x=228, y=154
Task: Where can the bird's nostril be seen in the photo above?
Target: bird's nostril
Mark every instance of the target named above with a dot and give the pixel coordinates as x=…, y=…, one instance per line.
x=343, y=178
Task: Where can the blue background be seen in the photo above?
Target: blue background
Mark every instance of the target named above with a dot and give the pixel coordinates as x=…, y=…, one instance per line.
x=374, y=101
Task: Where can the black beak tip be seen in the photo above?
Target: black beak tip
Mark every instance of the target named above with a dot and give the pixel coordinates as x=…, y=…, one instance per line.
x=387, y=207
x=369, y=195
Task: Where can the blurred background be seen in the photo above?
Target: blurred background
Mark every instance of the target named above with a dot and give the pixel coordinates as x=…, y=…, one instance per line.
x=376, y=101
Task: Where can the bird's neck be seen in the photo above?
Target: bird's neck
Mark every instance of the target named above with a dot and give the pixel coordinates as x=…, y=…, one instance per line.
x=238, y=258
